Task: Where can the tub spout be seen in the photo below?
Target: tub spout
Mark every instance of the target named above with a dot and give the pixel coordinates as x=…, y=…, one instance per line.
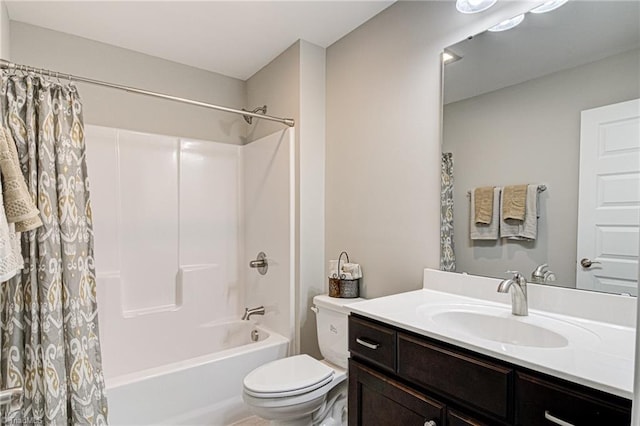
x=253, y=311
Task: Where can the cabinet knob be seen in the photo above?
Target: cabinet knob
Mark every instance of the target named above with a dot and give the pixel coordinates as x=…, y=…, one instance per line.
x=430, y=423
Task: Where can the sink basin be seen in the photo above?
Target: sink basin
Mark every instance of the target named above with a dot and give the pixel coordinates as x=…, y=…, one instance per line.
x=512, y=330
x=497, y=324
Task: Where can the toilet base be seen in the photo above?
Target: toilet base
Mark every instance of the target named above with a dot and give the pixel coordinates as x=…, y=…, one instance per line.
x=327, y=410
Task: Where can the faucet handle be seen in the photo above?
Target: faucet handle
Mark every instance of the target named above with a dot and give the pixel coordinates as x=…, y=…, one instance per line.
x=518, y=277
x=540, y=271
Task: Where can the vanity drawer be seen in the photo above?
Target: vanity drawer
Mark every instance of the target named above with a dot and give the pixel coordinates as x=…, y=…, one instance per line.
x=372, y=342
x=472, y=381
x=539, y=402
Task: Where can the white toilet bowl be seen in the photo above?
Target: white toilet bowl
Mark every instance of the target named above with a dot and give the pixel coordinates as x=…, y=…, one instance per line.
x=301, y=390
x=290, y=391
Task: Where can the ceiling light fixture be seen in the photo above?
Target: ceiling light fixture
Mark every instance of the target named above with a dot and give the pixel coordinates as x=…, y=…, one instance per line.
x=450, y=57
x=474, y=6
x=549, y=6
x=508, y=24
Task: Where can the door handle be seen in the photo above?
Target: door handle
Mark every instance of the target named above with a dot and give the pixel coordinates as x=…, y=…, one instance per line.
x=586, y=263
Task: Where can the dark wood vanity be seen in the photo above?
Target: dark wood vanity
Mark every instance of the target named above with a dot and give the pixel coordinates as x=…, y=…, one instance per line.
x=397, y=377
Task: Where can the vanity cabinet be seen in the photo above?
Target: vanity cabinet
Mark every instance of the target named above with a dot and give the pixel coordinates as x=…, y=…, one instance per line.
x=399, y=378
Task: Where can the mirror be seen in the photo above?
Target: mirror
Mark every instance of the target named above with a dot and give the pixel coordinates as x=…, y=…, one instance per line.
x=513, y=114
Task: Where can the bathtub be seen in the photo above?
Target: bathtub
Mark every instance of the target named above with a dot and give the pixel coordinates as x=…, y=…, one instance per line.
x=205, y=389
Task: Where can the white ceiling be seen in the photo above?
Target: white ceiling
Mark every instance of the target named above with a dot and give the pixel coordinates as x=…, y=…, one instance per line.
x=234, y=38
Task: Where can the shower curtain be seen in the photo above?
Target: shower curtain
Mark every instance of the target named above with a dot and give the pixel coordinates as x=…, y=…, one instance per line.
x=447, y=253
x=49, y=339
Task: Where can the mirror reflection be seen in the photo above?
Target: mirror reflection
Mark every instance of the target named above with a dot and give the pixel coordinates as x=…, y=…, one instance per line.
x=550, y=104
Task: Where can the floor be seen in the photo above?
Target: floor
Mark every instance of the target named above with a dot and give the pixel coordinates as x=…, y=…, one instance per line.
x=252, y=421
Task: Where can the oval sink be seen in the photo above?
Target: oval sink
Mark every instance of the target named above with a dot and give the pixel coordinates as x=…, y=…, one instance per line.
x=500, y=329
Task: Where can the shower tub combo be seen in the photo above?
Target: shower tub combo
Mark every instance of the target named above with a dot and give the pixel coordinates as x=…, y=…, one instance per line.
x=172, y=274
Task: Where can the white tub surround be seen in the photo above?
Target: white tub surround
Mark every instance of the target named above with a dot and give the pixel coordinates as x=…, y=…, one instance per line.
x=600, y=349
x=176, y=223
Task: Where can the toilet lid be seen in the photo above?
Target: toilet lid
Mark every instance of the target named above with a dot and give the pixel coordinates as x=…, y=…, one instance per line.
x=287, y=377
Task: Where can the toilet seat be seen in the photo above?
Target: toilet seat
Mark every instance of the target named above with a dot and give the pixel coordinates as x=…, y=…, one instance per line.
x=310, y=399
x=288, y=377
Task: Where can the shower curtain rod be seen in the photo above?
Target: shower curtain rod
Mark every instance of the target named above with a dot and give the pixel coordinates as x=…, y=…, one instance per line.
x=4, y=64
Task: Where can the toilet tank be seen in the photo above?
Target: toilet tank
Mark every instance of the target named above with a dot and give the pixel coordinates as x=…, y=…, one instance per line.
x=332, y=325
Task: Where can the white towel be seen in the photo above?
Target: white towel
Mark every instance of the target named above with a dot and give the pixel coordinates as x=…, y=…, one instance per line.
x=11, y=261
x=478, y=231
x=526, y=230
x=352, y=270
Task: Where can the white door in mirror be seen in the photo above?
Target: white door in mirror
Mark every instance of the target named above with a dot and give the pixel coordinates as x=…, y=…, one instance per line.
x=609, y=199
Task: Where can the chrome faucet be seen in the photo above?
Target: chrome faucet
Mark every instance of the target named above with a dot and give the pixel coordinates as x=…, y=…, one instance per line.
x=253, y=311
x=542, y=274
x=519, y=304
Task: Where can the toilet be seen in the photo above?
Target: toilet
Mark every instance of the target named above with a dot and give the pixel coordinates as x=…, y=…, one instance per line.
x=300, y=390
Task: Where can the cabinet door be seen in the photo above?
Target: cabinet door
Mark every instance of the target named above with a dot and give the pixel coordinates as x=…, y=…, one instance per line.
x=376, y=400
x=540, y=402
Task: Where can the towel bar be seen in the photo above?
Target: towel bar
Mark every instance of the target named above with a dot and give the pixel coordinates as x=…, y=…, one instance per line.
x=541, y=188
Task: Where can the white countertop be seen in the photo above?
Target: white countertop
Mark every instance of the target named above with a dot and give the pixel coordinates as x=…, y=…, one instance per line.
x=599, y=355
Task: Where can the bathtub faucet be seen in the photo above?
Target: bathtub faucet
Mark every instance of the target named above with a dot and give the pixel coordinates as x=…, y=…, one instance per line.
x=253, y=311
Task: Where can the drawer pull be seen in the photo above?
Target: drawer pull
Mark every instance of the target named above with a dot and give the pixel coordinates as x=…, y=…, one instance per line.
x=554, y=419
x=366, y=344
x=430, y=423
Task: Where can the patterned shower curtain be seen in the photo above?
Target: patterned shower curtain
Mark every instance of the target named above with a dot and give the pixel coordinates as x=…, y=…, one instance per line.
x=49, y=338
x=447, y=253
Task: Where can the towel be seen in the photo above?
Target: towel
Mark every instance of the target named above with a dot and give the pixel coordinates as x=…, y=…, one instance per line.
x=19, y=207
x=526, y=230
x=11, y=261
x=352, y=271
x=482, y=231
x=483, y=204
x=513, y=202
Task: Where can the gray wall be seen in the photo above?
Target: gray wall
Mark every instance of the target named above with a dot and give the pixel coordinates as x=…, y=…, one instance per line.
x=530, y=133
x=383, y=139
x=311, y=172
x=4, y=31
x=62, y=52
x=278, y=86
